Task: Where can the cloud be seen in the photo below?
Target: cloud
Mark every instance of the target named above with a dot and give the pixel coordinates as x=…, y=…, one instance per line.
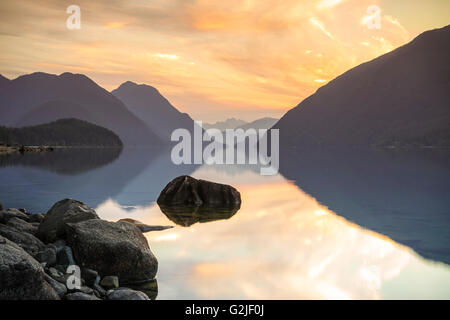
x=252, y=56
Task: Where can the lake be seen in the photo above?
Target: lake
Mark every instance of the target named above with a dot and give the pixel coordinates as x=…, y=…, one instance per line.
x=333, y=224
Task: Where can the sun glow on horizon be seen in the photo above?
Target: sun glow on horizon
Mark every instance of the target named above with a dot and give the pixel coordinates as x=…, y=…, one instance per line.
x=231, y=57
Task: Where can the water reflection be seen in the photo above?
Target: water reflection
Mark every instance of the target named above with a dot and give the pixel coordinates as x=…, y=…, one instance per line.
x=283, y=244
x=132, y=177
x=401, y=194
x=188, y=215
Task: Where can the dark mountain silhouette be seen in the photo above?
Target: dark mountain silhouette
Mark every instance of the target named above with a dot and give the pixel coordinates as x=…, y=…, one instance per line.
x=63, y=132
x=47, y=111
x=25, y=99
x=3, y=82
x=151, y=107
x=400, y=98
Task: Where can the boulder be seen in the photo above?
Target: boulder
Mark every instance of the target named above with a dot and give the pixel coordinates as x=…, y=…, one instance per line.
x=188, y=215
x=47, y=255
x=81, y=296
x=59, y=288
x=187, y=191
x=112, y=248
x=36, y=217
x=21, y=225
x=22, y=277
x=65, y=211
x=26, y=241
x=11, y=213
x=64, y=256
x=90, y=276
x=110, y=282
x=126, y=294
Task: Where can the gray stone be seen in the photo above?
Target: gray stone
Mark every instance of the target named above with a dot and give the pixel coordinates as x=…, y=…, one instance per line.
x=59, y=287
x=90, y=276
x=21, y=225
x=126, y=294
x=63, y=212
x=145, y=227
x=112, y=248
x=22, y=277
x=36, y=217
x=64, y=256
x=99, y=289
x=56, y=274
x=26, y=241
x=11, y=213
x=81, y=296
x=48, y=255
x=23, y=210
x=110, y=282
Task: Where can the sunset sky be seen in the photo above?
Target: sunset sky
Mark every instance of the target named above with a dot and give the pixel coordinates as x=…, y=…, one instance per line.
x=212, y=59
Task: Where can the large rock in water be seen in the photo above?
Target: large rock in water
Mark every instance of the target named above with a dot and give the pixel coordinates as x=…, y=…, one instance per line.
x=112, y=248
x=187, y=191
x=22, y=277
x=63, y=212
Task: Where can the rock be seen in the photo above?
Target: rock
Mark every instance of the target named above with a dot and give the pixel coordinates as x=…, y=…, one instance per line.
x=80, y=296
x=144, y=227
x=112, y=248
x=126, y=294
x=110, y=282
x=21, y=225
x=63, y=212
x=60, y=288
x=36, y=217
x=47, y=255
x=22, y=277
x=188, y=215
x=99, y=289
x=23, y=210
x=11, y=213
x=26, y=241
x=56, y=274
x=64, y=256
x=84, y=289
x=187, y=191
x=90, y=276
x=1, y=207
x=150, y=288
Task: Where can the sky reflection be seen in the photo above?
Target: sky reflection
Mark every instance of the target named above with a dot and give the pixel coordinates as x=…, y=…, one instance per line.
x=281, y=244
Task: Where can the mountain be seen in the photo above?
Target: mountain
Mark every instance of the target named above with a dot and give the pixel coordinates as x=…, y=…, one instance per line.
x=151, y=107
x=63, y=132
x=401, y=98
x=263, y=123
x=3, y=82
x=230, y=123
x=40, y=97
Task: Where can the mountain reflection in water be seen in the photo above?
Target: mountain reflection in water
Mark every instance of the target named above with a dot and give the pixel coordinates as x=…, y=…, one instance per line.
x=281, y=244
x=308, y=232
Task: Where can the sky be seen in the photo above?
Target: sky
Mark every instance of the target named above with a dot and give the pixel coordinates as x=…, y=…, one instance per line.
x=212, y=59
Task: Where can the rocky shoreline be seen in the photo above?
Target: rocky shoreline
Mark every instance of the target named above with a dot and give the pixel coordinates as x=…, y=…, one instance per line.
x=70, y=253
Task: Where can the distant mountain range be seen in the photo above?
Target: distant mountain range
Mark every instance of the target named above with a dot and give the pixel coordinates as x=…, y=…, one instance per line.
x=39, y=97
x=233, y=123
x=151, y=107
x=63, y=132
x=230, y=123
x=401, y=98
x=263, y=123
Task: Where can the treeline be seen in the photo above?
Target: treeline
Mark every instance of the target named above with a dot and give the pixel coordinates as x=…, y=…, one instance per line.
x=64, y=132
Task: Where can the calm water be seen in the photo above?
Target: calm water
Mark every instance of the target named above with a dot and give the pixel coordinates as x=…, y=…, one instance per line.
x=332, y=225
